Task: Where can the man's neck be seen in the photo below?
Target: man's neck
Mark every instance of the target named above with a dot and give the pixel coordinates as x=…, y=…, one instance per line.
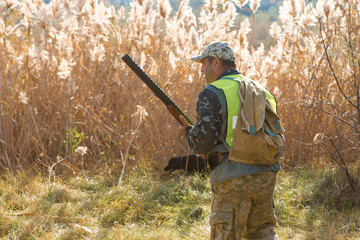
x=226, y=72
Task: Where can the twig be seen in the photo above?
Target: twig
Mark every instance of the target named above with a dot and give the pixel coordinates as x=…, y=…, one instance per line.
x=59, y=160
x=133, y=134
x=332, y=115
x=344, y=166
x=331, y=67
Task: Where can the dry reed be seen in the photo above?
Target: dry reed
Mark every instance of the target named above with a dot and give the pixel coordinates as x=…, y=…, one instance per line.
x=60, y=71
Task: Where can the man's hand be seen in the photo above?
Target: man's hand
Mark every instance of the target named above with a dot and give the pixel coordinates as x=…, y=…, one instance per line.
x=183, y=127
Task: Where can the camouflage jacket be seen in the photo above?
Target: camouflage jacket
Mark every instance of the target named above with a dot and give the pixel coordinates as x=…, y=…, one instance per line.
x=205, y=134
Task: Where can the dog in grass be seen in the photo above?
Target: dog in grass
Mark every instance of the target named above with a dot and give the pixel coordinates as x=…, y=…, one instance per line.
x=190, y=163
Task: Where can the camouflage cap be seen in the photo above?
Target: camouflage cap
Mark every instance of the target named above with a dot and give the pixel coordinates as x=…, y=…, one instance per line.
x=221, y=50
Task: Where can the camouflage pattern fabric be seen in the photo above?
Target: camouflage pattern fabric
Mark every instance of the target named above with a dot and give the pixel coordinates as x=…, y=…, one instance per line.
x=221, y=50
x=204, y=135
x=242, y=208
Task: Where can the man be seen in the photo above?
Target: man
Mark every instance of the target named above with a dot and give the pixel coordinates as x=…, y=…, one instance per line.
x=242, y=206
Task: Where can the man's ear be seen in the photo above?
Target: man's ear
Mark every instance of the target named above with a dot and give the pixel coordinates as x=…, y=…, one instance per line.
x=217, y=62
x=218, y=67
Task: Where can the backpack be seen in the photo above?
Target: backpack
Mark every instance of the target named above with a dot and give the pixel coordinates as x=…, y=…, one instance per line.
x=264, y=144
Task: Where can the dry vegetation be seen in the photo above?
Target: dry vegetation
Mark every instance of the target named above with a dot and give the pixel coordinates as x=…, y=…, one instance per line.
x=67, y=101
x=68, y=104
x=152, y=206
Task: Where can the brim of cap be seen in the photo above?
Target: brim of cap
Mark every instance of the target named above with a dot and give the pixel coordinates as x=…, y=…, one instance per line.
x=198, y=58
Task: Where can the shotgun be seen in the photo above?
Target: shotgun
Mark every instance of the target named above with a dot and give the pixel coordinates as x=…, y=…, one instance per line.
x=170, y=105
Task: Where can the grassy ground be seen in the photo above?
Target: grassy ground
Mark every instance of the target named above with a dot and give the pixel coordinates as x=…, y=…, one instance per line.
x=150, y=205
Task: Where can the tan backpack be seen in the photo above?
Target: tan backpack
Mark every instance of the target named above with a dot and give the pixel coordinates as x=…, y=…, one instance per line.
x=266, y=144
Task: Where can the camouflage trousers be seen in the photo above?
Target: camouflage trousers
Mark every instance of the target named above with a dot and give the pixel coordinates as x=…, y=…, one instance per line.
x=242, y=208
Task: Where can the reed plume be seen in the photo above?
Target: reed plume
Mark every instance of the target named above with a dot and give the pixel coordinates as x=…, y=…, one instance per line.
x=61, y=69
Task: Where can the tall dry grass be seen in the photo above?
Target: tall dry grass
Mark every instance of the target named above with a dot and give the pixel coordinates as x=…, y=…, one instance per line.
x=61, y=78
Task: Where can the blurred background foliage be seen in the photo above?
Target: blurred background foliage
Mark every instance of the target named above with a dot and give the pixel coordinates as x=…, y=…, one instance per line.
x=68, y=103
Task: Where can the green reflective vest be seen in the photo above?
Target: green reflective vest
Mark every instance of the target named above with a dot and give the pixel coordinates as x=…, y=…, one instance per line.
x=230, y=86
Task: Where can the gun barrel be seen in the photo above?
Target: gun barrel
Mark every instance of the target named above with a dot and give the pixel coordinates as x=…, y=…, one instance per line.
x=154, y=87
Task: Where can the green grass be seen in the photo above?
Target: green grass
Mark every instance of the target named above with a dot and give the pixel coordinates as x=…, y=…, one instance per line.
x=316, y=205
x=152, y=205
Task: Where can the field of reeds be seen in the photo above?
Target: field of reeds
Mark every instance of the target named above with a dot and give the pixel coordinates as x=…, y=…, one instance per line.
x=63, y=84
x=70, y=106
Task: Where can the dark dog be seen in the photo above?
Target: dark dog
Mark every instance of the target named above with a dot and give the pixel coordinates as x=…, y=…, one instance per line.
x=194, y=164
